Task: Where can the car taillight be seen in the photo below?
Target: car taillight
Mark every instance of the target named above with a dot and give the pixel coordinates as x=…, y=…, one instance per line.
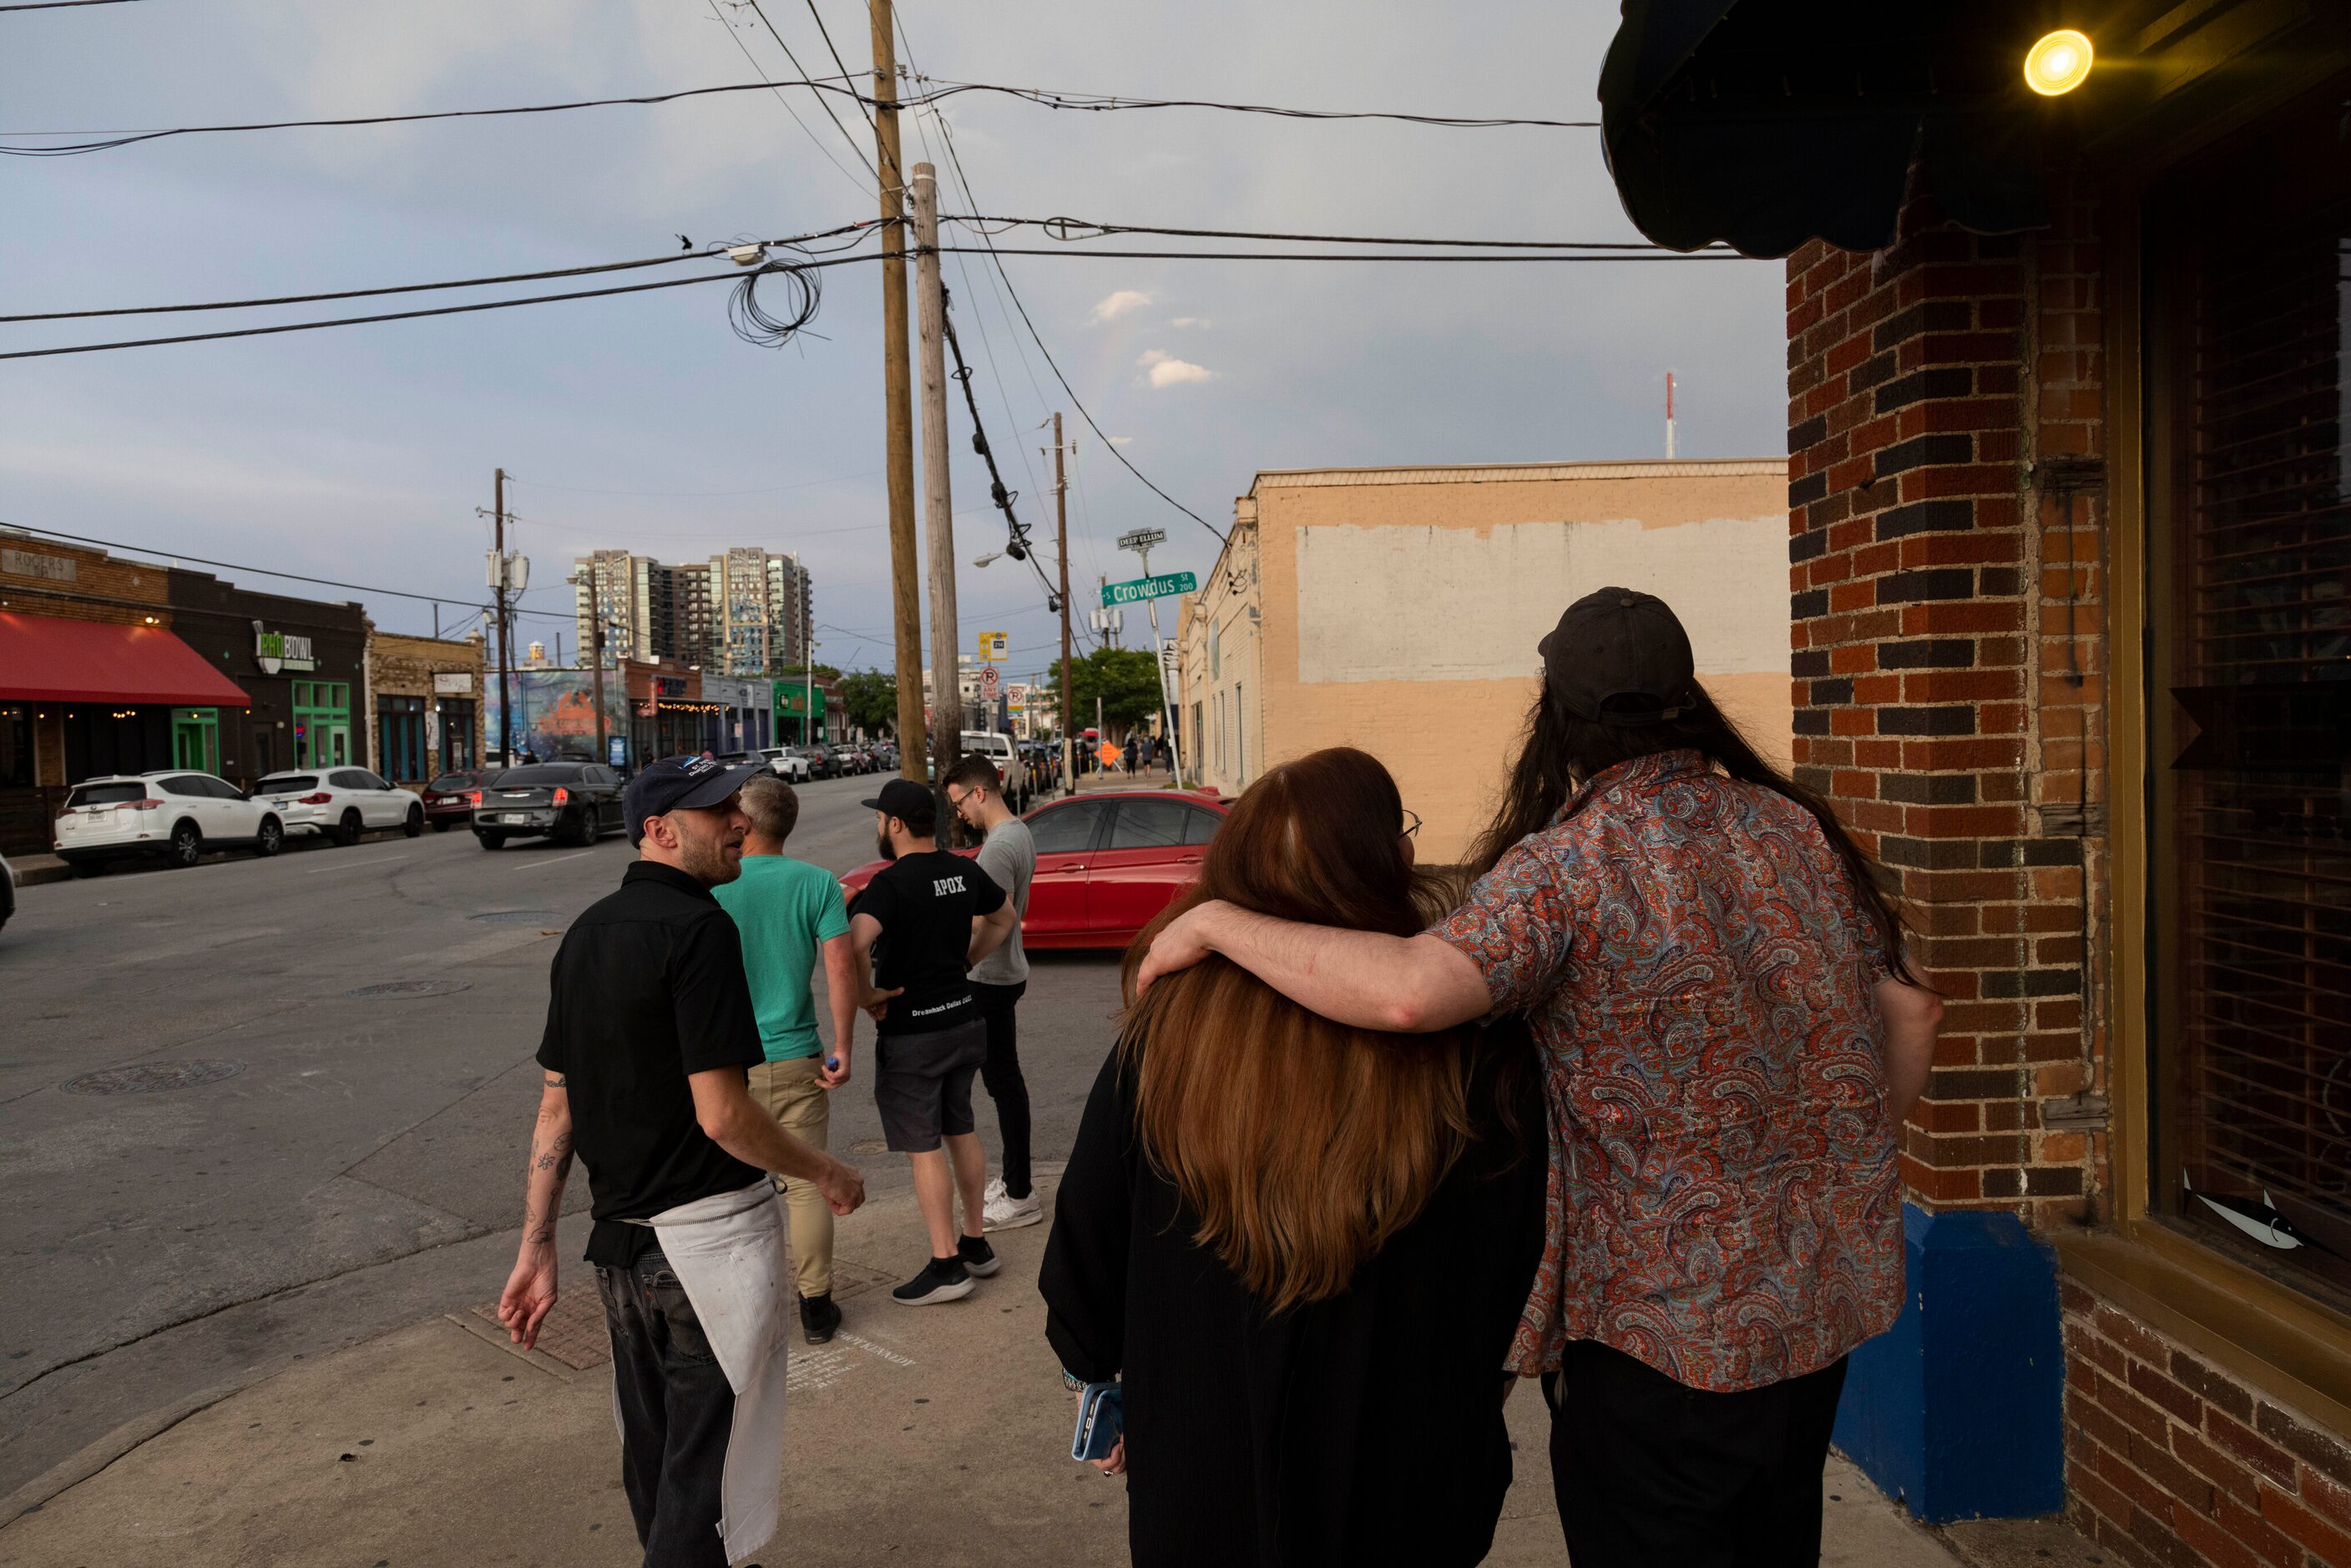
x=473, y=797
x=144, y=805
x=320, y=798
x=562, y=796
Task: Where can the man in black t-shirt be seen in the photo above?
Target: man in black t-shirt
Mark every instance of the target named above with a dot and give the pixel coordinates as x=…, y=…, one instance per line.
x=922, y=923
x=650, y=1030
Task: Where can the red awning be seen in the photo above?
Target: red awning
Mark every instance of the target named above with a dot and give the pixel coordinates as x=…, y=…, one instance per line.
x=43, y=659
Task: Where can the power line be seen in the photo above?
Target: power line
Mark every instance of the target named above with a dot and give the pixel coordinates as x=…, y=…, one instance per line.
x=1343, y=256
x=1066, y=230
x=955, y=158
x=741, y=279
x=272, y=571
x=1094, y=102
x=61, y=4
x=416, y=288
x=820, y=103
x=814, y=139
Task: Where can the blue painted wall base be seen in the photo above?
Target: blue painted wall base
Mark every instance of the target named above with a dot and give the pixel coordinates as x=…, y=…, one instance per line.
x=1959, y=1409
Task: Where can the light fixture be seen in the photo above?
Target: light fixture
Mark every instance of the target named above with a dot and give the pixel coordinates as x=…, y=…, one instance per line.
x=990, y=556
x=2058, y=63
x=747, y=254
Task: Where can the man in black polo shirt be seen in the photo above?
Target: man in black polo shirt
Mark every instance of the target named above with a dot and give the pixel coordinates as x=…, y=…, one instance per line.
x=649, y=1032
x=923, y=923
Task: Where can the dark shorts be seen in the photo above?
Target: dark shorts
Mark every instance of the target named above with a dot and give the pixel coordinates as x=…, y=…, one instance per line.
x=922, y=1084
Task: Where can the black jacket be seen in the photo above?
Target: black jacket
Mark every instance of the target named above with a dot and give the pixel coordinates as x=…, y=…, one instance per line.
x=1363, y=1429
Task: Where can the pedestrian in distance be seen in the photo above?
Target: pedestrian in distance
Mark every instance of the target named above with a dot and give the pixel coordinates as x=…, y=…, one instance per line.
x=788, y=913
x=650, y=1035
x=1133, y=752
x=1008, y=855
x=921, y=924
x=1302, y=1246
x=1731, y=1035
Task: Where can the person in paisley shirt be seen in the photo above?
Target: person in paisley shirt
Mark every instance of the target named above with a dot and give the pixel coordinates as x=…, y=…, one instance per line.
x=1731, y=1035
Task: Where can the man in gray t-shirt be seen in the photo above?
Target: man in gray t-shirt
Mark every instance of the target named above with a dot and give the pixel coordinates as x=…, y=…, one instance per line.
x=1008, y=855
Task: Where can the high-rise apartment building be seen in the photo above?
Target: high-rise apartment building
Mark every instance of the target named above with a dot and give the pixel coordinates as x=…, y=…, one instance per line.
x=742, y=612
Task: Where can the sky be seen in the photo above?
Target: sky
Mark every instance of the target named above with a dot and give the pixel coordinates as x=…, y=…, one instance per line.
x=364, y=454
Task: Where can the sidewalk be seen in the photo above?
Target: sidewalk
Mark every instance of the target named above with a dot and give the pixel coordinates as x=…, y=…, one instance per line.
x=937, y=1435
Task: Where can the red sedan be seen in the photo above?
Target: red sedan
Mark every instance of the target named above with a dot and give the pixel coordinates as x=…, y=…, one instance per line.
x=449, y=799
x=1105, y=863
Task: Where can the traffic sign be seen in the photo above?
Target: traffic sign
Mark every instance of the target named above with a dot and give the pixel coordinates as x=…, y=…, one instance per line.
x=987, y=681
x=993, y=646
x=1161, y=587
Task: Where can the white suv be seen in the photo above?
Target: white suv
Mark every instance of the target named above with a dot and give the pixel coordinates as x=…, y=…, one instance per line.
x=789, y=765
x=174, y=815
x=341, y=802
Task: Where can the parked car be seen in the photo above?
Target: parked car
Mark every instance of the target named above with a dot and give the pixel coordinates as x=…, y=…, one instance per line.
x=1010, y=766
x=887, y=753
x=170, y=813
x=822, y=763
x=341, y=802
x=449, y=799
x=785, y=763
x=846, y=762
x=1105, y=863
x=570, y=803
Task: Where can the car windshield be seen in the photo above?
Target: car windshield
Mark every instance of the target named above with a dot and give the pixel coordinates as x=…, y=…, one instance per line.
x=453, y=781
x=545, y=773
x=279, y=783
x=108, y=794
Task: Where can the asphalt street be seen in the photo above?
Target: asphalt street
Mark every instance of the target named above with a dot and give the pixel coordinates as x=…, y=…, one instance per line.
x=221, y=1151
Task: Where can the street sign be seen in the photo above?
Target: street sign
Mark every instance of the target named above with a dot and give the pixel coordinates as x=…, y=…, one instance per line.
x=988, y=680
x=1166, y=584
x=993, y=646
x=1143, y=539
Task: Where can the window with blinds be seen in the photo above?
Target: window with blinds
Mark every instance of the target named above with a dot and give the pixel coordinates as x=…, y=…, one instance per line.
x=2251, y=706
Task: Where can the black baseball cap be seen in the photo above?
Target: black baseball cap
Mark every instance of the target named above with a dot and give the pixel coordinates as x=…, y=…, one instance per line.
x=1620, y=657
x=681, y=783
x=906, y=800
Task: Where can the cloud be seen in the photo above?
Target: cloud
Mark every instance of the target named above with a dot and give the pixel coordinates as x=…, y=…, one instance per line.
x=1124, y=302
x=1167, y=370
x=1189, y=321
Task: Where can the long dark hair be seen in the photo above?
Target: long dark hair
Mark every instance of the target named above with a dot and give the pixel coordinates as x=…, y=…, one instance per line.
x=1302, y=1145
x=1561, y=752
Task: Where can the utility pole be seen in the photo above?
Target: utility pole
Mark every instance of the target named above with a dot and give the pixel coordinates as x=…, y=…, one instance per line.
x=505, y=709
x=1061, y=532
x=1670, y=416
x=905, y=593
x=938, y=506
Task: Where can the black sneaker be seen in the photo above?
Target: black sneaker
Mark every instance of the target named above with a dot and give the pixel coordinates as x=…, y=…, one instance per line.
x=819, y=1318
x=977, y=1256
x=942, y=1280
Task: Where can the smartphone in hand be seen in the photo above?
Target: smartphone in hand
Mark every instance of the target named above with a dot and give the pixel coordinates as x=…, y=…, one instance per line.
x=1101, y=1419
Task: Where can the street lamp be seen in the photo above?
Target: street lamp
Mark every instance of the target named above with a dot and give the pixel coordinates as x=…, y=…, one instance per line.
x=991, y=555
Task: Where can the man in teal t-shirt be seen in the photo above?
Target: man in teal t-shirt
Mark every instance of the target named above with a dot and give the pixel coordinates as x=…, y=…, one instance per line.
x=787, y=910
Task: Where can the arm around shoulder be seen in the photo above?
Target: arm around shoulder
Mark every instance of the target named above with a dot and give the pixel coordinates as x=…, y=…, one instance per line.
x=1410, y=985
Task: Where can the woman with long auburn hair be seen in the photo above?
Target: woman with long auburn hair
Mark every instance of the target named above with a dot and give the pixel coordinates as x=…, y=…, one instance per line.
x=1301, y=1246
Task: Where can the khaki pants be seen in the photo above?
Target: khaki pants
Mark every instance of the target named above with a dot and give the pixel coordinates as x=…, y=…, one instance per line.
x=802, y=1107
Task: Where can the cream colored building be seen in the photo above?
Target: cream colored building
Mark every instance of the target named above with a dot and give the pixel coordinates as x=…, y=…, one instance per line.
x=1398, y=610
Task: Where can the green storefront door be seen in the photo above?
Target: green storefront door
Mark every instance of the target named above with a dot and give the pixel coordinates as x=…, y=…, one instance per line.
x=322, y=724
x=195, y=738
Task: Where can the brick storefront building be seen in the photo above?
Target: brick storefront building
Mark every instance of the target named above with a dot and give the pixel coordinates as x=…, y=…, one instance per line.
x=424, y=704
x=2070, y=567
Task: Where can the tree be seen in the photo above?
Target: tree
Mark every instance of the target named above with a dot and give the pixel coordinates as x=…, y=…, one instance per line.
x=870, y=699
x=1125, y=679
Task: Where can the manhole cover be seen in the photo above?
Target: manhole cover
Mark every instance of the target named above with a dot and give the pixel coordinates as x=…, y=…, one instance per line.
x=151, y=1077
x=411, y=988
x=870, y=1146
x=518, y=917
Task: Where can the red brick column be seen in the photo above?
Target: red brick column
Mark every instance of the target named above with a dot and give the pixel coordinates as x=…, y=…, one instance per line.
x=1930, y=386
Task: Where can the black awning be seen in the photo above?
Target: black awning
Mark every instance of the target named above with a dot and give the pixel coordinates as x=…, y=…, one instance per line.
x=1764, y=123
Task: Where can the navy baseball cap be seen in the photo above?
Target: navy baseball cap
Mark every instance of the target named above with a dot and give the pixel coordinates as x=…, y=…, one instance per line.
x=681, y=783
x=1620, y=657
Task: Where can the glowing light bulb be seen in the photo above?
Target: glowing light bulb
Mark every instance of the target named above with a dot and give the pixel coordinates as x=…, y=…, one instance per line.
x=2058, y=63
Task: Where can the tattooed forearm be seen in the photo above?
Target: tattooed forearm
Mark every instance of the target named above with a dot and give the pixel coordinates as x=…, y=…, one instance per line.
x=549, y=1168
x=538, y=1228
x=557, y=1158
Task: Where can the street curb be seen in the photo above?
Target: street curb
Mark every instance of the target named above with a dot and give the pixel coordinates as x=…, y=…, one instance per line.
x=56, y=870
x=70, y=1472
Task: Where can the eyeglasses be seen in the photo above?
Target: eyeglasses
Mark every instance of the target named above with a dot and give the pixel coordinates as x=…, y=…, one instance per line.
x=1411, y=822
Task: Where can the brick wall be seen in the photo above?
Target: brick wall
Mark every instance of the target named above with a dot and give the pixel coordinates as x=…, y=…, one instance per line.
x=112, y=593
x=2169, y=1461
x=1947, y=548
x=1936, y=697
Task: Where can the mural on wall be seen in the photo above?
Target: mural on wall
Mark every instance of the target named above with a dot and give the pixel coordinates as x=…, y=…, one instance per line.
x=555, y=712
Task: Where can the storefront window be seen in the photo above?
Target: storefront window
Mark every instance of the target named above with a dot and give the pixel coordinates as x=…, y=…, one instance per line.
x=195, y=738
x=399, y=738
x=322, y=724
x=456, y=734
x=15, y=746
x=2250, y=704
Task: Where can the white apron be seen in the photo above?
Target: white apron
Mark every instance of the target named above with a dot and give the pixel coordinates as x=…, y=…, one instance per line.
x=727, y=1251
